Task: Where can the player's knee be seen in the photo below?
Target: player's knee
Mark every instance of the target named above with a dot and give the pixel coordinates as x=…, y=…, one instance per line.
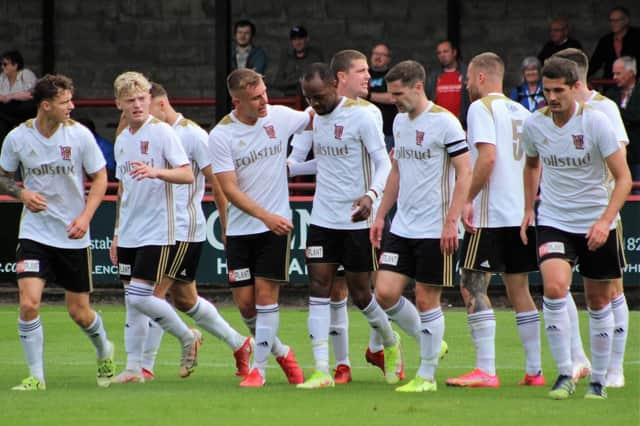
x=81, y=315
x=29, y=309
x=386, y=297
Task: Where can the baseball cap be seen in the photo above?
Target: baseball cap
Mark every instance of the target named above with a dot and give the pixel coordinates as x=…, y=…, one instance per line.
x=298, y=32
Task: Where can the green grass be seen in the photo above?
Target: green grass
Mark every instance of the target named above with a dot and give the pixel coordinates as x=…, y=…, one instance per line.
x=211, y=396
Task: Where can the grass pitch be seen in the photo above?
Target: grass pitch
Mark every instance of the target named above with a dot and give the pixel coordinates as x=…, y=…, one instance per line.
x=212, y=397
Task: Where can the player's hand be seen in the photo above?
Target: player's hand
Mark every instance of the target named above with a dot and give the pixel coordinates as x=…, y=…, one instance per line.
x=527, y=221
x=143, y=171
x=375, y=232
x=361, y=209
x=78, y=228
x=597, y=235
x=33, y=201
x=113, y=251
x=449, y=238
x=278, y=224
x=467, y=218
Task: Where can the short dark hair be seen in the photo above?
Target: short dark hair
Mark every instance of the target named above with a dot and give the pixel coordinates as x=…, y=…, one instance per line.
x=577, y=56
x=320, y=70
x=15, y=57
x=342, y=60
x=245, y=23
x=622, y=10
x=50, y=86
x=408, y=72
x=157, y=90
x=556, y=67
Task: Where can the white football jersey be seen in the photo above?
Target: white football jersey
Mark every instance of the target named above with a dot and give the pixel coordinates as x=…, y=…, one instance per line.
x=573, y=191
x=147, y=207
x=423, y=150
x=610, y=109
x=53, y=167
x=497, y=120
x=191, y=225
x=258, y=155
x=342, y=142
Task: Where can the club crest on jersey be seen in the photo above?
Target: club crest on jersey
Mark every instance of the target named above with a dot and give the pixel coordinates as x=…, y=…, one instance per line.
x=578, y=141
x=337, y=131
x=65, y=153
x=271, y=132
x=419, y=137
x=144, y=147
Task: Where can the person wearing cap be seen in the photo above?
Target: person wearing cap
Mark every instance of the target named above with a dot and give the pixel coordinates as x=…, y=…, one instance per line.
x=529, y=92
x=294, y=60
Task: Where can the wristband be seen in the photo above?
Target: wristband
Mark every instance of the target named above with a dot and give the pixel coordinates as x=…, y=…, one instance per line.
x=372, y=194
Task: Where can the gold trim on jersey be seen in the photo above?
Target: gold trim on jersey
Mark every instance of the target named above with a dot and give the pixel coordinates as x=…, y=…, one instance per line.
x=472, y=250
x=89, y=267
x=155, y=121
x=620, y=238
x=171, y=219
x=225, y=120
x=178, y=258
x=29, y=124
x=366, y=173
x=484, y=206
x=447, y=270
x=162, y=264
x=70, y=122
x=445, y=187
x=191, y=208
x=545, y=111
x=487, y=101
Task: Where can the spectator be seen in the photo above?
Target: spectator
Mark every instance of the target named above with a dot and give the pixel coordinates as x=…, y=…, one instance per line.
x=445, y=85
x=529, y=93
x=294, y=60
x=16, y=102
x=623, y=40
x=626, y=95
x=243, y=53
x=380, y=61
x=558, y=39
x=105, y=146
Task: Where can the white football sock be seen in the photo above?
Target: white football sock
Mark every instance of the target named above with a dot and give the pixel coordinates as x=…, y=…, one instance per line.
x=151, y=345
x=577, y=348
x=482, y=326
x=278, y=348
x=378, y=320
x=98, y=336
x=32, y=339
x=136, y=327
x=267, y=322
x=318, y=323
x=601, y=338
x=620, y=331
x=339, y=331
x=558, y=330
x=405, y=314
x=529, y=330
x=205, y=314
x=159, y=310
x=430, y=336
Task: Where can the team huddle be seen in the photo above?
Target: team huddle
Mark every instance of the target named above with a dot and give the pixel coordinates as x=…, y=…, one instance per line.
x=378, y=220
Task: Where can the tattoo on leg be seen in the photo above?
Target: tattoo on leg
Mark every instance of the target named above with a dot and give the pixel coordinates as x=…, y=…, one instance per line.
x=476, y=283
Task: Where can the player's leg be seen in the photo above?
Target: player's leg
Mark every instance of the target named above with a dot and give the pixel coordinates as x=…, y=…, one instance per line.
x=581, y=364
x=528, y=323
x=339, y=328
x=620, y=308
x=430, y=338
x=154, y=333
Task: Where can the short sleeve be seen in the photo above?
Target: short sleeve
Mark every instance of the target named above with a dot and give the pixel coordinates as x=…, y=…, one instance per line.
x=480, y=125
x=173, y=151
x=92, y=158
x=220, y=151
x=371, y=134
x=528, y=142
x=9, y=159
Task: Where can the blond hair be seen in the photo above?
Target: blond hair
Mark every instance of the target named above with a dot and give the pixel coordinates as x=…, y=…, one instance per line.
x=129, y=83
x=242, y=78
x=490, y=63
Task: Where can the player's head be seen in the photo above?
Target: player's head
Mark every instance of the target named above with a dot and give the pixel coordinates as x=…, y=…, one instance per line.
x=248, y=93
x=243, y=32
x=159, y=101
x=52, y=93
x=579, y=57
x=405, y=82
x=559, y=78
x=132, y=97
x=319, y=88
x=484, y=75
x=352, y=73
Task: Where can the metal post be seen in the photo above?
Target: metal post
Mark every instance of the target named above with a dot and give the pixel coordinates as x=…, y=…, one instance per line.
x=223, y=42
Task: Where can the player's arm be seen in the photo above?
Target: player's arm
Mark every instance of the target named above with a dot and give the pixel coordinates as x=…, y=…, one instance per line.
x=219, y=198
x=362, y=206
x=599, y=231
x=482, y=170
x=449, y=238
x=181, y=174
x=531, y=179
x=113, y=250
x=32, y=200
x=300, y=147
x=229, y=183
x=80, y=225
x=389, y=198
